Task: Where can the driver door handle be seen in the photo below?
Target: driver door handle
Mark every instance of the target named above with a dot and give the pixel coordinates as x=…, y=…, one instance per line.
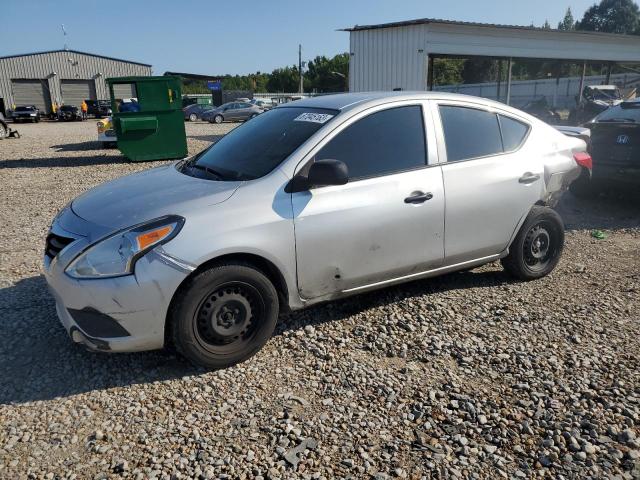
x=418, y=197
x=529, y=177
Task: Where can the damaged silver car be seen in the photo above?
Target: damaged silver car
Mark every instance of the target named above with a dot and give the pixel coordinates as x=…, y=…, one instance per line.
x=311, y=201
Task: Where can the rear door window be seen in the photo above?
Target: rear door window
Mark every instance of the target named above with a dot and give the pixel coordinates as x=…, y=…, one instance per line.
x=470, y=133
x=382, y=143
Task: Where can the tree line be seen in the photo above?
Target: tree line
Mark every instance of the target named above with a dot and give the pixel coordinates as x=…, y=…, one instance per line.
x=322, y=74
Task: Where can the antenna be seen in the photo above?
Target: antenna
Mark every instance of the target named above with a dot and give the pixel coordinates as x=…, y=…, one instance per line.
x=64, y=34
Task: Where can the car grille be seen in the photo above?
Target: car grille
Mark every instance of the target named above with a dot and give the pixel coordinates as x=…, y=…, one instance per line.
x=55, y=243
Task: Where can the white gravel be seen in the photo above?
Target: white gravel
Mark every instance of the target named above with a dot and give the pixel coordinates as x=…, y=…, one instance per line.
x=471, y=375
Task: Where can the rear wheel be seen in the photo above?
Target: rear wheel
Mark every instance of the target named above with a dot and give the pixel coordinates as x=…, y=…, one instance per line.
x=224, y=315
x=537, y=248
x=193, y=117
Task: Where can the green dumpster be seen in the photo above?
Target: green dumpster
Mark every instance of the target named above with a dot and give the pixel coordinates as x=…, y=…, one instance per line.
x=148, y=118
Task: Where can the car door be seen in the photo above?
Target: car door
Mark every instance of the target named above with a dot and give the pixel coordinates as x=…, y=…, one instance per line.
x=490, y=181
x=388, y=220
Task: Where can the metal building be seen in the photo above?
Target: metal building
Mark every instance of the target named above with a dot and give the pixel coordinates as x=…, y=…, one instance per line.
x=401, y=55
x=61, y=76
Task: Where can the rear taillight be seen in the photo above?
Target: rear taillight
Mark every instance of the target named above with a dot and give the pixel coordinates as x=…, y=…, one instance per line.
x=583, y=159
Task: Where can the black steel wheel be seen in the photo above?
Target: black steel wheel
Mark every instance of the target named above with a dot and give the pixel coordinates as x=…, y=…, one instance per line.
x=537, y=248
x=224, y=315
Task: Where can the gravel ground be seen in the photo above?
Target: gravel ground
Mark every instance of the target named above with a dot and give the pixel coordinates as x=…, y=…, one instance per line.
x=471, y=375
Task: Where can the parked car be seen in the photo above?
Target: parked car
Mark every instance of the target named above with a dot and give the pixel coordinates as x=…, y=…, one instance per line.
x=69, y=113
x=26, y=113
x=615, y=148
x=262, y=103
x=194, y=112
x=595, y=100
x=99, y=108
x=311, y=201
x=539, y=108
x=106, y=133
x=232, y=112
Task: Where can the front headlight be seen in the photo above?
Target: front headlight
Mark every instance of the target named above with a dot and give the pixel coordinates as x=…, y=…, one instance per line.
x=117, y=254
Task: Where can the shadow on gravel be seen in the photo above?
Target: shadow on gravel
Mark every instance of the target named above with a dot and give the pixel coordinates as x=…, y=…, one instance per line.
x=39, y=362
x=78, y=147
x=609, y=209
x=206, y=138
x=339, y=310
x=63, y=161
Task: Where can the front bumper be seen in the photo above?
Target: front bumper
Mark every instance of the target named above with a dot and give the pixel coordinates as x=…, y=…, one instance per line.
x=122, y=314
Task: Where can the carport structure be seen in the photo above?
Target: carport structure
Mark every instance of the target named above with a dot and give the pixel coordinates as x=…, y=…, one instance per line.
x=512, y=64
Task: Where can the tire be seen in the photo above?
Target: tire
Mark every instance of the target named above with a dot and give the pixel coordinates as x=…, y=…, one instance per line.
x=537, y=248
x=37, y=119
x=193, y=117
x=218, y=119
x=244, y=306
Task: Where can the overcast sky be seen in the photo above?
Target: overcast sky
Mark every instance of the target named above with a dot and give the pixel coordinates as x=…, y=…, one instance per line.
x=241, y=37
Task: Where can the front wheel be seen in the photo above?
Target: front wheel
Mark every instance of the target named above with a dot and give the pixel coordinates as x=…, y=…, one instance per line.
x=224, y=315
x=218, y=119
x=537, y=248
x=193, y=117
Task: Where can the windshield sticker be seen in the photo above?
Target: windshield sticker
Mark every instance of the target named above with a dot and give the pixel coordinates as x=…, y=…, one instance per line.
x=313, y=117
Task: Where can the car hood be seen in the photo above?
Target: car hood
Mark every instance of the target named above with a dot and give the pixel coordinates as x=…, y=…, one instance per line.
x=146, y=195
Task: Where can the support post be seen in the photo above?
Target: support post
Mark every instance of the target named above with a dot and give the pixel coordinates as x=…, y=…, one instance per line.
x=430, y=72
x=509, y=70
x=301, y=89
x=609, y=68
x=582, y=77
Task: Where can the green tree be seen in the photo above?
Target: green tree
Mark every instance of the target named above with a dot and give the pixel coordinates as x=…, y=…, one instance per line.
x=284, y=80
x=613, y=16
x=546, y=25
x=328, y=74
x=567, y=23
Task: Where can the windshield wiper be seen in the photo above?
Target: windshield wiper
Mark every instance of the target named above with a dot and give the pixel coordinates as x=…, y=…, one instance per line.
x=209, y=170
x=622, y=119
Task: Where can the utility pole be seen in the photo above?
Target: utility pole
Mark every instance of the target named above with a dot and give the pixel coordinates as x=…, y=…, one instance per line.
x=301, y=88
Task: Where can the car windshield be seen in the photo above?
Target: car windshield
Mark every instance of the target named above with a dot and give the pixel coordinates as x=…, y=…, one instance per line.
x=24, y=109
x=260, y=145
x=602, y=94
x=620, y=113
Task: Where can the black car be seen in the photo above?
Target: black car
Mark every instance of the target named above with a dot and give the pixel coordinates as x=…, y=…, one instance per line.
x=69, y=113
x=26, y=113
x=615, y=148
x=98, y=108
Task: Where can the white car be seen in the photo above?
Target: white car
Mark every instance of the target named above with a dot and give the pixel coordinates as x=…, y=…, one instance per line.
x=308, y=202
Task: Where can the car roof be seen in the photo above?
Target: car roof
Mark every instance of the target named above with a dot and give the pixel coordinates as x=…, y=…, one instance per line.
x=348, y=101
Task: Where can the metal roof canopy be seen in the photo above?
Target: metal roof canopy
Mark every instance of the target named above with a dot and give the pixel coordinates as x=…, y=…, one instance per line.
x=446, y=37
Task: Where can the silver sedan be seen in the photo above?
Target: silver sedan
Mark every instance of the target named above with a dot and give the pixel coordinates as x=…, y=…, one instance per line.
x=314, y=200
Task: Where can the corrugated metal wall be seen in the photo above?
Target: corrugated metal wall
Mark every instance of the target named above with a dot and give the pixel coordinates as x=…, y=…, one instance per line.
x=388, y=58
x=68, y=65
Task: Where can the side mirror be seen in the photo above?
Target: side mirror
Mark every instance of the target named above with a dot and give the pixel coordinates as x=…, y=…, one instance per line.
x=322, y=173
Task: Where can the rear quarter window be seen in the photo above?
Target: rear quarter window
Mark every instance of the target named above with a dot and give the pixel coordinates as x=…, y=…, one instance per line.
x=514, y=133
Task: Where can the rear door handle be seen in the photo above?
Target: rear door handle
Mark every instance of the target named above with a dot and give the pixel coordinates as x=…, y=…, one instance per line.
x=529, y=178
x=418, y=197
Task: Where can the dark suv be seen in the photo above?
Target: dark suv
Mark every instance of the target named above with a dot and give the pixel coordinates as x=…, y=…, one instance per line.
x=69, y=112
x=26, y=113
x=615, y=148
